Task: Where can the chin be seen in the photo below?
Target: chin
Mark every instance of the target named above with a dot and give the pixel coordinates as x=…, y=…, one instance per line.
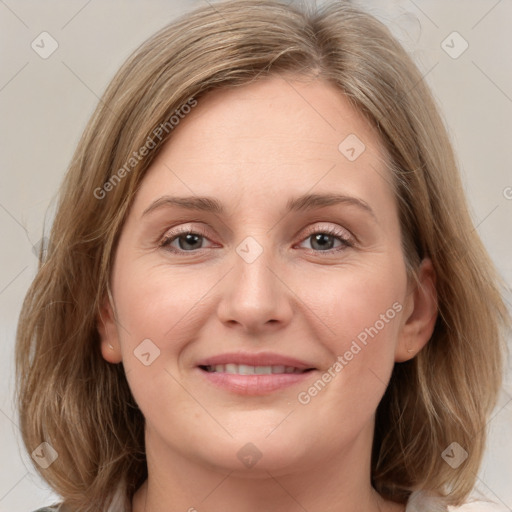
x=256, y=456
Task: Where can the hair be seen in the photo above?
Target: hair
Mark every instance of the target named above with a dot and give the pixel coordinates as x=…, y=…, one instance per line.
x=71, y=398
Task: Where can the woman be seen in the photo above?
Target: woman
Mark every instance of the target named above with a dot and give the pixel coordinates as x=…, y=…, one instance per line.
x=263, y=289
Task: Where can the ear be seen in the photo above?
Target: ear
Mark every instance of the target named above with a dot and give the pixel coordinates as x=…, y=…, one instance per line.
x=109, y=338
x=420, y=314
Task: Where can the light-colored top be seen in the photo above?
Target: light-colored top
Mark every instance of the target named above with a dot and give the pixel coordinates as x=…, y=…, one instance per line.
x=420, y=502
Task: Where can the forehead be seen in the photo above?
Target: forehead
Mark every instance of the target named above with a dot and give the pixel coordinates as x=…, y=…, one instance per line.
x=274, y=138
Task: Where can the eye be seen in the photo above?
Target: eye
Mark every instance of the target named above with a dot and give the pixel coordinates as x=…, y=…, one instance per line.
x=184, y=240
x=323, y=240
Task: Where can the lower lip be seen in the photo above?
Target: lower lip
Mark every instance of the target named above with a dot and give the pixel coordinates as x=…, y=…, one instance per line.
x=254, y=384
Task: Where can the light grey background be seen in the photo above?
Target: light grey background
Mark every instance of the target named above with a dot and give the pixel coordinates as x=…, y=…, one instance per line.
x=45, y=104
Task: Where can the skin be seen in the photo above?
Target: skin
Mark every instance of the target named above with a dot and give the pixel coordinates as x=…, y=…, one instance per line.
x=253, y=149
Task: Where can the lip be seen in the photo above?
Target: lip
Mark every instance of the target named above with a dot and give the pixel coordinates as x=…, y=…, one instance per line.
x=256, y=359
x=254, y=385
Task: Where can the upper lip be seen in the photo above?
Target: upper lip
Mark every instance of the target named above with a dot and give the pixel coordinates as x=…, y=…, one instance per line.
x=255, y=359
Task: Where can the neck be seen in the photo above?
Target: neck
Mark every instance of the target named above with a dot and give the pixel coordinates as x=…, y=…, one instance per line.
x=340, y=483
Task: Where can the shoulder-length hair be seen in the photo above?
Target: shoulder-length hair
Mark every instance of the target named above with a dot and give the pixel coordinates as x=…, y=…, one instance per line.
x=71, y=398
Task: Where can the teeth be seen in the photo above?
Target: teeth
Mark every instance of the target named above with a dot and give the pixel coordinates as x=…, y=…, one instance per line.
x=262, y=370
x=244, y=369
x=230, y=368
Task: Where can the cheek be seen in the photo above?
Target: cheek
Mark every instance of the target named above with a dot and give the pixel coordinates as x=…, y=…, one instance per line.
x=156, y=308
x=167, y=306
x=155, y=302
x=363, y=309
x=360, y=303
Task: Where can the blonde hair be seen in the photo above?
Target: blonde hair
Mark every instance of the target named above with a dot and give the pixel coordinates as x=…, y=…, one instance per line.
x=70, y=397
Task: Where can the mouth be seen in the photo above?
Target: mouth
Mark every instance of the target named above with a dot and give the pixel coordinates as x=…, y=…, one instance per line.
x=245, y=369
x=246, y=373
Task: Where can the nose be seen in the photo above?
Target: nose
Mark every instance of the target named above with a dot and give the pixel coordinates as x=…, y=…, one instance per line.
x=255, y=296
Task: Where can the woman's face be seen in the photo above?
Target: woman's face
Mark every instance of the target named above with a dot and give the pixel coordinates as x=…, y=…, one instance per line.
x=266, y=338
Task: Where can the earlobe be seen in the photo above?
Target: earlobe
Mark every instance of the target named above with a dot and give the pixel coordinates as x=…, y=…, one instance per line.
x=421, y=312
x=107, y=329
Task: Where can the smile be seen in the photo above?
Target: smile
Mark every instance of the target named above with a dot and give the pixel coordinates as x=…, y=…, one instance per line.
x=244, y=369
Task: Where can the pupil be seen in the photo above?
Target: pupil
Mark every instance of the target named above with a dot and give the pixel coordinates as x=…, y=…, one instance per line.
x=189, y=240
x=322, y=238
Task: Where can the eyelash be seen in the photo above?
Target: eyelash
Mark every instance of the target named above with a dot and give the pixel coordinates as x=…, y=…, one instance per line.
x=170, y=237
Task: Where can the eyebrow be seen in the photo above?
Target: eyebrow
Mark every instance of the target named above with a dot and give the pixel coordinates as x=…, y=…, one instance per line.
x=302, y=203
